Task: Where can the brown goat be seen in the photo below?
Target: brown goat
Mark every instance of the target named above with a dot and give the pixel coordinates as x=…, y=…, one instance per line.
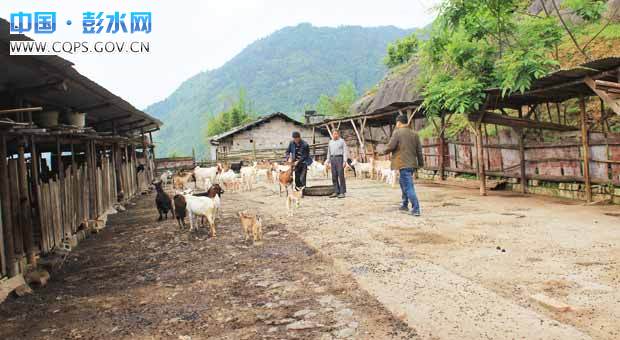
x=286, y=178
x=252, y=226
x=180, y=209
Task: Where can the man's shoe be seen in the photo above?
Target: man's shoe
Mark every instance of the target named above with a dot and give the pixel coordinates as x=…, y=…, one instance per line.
x=341, y=196
x=403, y=208
x=416, y=213
x=334, y=195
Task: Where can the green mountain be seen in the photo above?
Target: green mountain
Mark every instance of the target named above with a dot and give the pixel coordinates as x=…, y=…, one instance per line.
x=286, y=71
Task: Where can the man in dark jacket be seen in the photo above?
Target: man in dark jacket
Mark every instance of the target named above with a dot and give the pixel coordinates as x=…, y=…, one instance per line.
x=406, y=150
x=299, y=152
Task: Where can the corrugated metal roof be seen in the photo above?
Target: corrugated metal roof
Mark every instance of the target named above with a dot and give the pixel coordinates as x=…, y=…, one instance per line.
x=81, y=94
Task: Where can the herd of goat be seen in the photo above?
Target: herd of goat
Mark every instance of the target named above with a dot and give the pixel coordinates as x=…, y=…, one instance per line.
x=198, y=193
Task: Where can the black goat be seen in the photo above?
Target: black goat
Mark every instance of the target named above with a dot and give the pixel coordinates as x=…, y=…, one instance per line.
x=180, y=209
x=162, y=201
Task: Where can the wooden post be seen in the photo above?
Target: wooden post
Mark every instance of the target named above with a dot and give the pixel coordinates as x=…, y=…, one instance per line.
x=313, y=143
x=362, y=127
x=7, y=217
x=26, y=211
x=480, y=154
x=329, y=131
x=586, y=148
x=134, y=158
x=34, y=157
x=362, y=148
x=145, y=154
x=92, y=181
x=61, y=181
x=442, y=146
x=152, y=146
x=521, y=136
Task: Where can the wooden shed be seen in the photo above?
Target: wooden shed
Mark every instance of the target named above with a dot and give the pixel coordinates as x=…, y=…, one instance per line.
x=69, y=151
x=580, y=154
x=264, y=139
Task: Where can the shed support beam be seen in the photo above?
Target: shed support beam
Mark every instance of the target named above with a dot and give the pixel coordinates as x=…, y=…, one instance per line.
x=362, y=148
x=442, y=145
x=7, y=217
x=586, y=148
x=24, y=192
x=329, y=131
x=480, y=157
x=614, y=104
x=494, y=118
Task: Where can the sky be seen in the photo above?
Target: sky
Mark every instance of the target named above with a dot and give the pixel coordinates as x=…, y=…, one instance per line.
x=188, y=37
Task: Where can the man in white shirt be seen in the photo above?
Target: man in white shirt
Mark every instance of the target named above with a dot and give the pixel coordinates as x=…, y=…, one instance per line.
x=337, y=155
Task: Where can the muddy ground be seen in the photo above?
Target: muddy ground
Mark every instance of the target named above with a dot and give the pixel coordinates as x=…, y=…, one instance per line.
x=142, y=279
x=470, y=268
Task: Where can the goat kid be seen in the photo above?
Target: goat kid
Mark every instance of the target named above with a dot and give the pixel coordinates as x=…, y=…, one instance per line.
x=180, y=209
x=293, y=201
x=165, y=177
x=252, y=226
x=162, y=201
x=181, y=180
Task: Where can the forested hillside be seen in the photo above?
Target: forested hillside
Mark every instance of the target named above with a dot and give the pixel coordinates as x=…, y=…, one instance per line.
x=286, y=71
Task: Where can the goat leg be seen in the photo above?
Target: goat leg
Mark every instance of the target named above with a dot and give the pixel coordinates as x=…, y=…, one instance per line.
x=211, y=221
x=191, y=220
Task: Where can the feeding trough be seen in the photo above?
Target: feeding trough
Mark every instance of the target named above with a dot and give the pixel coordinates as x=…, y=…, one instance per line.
x=319, y=190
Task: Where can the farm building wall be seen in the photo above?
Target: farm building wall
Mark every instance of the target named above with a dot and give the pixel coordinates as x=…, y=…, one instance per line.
x=265, y=141
x=274, y=134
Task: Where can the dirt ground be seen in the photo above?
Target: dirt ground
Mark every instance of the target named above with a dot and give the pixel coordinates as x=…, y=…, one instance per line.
x=473, y=267
x=470, y=268
x=142, y=279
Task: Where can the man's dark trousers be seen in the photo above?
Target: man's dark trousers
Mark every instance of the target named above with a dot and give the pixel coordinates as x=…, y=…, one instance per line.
x=300, y=175
x=340, y=186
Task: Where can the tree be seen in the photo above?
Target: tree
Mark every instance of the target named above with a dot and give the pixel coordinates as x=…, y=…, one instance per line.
x=401, y=51
x=340, y=104
x=588, y=10
x=479, y=44
x=239, y=113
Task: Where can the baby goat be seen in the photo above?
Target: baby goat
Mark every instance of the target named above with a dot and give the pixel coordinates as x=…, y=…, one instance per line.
x=252, y=226
x=180, y=209
x=162, y=201
x=294, y=200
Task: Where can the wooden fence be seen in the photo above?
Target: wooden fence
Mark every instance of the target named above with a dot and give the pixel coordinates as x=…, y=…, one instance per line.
x=556, y=161
x=41, y=213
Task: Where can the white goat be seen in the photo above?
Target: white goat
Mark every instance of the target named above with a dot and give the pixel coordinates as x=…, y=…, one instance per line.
x=228, y=179
x=387, y=175
x=202, y=206
x=318, y=169
x=165, y=177
x=206, y=173
x=362, y=168
x=248, y=176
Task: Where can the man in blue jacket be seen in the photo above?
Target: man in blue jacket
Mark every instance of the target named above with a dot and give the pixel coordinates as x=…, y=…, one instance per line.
x=299, y=152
